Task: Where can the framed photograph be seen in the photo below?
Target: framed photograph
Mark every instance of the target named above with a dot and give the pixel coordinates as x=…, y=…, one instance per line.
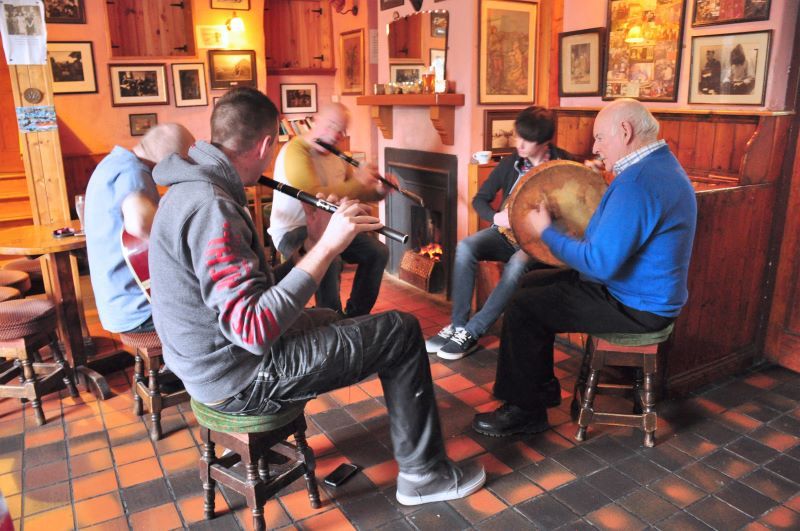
x=440, y=20
x=389, y=4
x=141, y=123
x=406, y=73
x=211, y=37
x=709, y=12
x=351, y=48
x=138, y=84
x=730, y=69
x=498, y=131
x=240, y=5
x=72, y=64
x=579, y=59
x=507, y=51
x=189, y=82
x=438, y=60
x=232, y=68
x=64, y=12
x=298, y=97
x=643, y=50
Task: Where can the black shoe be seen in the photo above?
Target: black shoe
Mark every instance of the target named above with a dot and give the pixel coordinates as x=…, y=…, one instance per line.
x=551, y=393
x=508, y=420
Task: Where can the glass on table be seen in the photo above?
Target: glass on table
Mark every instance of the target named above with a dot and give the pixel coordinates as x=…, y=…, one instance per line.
x=80, y=204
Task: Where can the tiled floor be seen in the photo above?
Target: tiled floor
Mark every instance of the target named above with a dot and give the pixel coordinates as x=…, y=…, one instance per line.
x=726, y=458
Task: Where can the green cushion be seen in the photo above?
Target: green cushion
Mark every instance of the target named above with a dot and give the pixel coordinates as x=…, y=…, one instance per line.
x=226, y=422
x=638, y=340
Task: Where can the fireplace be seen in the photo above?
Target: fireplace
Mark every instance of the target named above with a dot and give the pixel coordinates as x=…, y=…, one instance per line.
x=433, y=177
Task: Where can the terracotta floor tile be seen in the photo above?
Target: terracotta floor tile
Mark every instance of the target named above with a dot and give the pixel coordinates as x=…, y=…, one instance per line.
x=136, y=451
x=454, y=383
x=488, y=406
x=10, y=461
x=99, y=509
x=46, y=474
x=10, y=427
x=321, y=444
x=782, y=518
x=89, y=462
x=49, y=433
x=117, y=524
x=615, y=517
x=84, y=426
x=127, y=434
x=177, y=440
x=461, y=448
x=115, y=419
x=678, y=491
x=11, y=483
x=762, y=381
x=119, y=402
x=326, y=465
x=299, y=507
x=333, y=519
x=87, y=443
x=440, y=370
x=14, y=505
x=139, y=472
x=514, y=488
x=161, y=517
x=94, y=484
x=794, y=503
x=774, y=439
x=47, y=498
x=549, y=475
x=349, y=395
x=181, y=460
x=191, y=508
x=54, y=520
x=479, y=506
x=372, y=387
x=81, y=411
x=275, y=516
x=493, y=466
x=474, y=396
x=384, y=474
x=320, y=405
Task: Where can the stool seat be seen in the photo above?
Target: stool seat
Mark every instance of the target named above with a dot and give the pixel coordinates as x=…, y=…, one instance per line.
x=227, y=422
x=141, y=339
x=637, y=340
x=18, y=280
x=32, y=266
x=20, y=318
x=8, y=294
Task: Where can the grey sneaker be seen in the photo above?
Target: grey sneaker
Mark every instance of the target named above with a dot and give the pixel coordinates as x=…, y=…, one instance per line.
x=459, y=345
x=434, y=343
x=445, y=482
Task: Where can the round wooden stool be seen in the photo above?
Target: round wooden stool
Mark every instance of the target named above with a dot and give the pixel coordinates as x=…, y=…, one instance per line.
x=9, y=294
x=33, y=267
x=25, y=327
x=19, y=280
x=621, y=350
x=252, y=439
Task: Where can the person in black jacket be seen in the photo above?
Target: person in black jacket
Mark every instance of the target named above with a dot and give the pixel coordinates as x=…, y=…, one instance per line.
x=534, y=127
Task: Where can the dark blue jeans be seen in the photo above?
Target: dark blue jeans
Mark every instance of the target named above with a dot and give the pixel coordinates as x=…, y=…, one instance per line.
x=319, y=354
x=486, y=244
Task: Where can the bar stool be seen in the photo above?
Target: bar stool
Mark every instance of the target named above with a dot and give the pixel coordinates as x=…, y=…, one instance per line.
x=25, y=327
x=252, y=439
x=148, y=356
x=33, y=267
x=9, y=294
x=19, y=280
x=621, y=350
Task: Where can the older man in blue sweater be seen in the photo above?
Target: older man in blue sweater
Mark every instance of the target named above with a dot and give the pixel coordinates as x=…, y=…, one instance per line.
x=628, y=272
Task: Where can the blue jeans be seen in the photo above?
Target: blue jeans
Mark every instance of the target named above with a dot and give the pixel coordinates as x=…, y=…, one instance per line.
x=486, y=244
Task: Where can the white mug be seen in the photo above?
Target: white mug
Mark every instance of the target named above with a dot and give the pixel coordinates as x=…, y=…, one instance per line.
x=482, y=157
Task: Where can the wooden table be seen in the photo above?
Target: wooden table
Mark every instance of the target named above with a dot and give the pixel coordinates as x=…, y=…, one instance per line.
x=36, y=240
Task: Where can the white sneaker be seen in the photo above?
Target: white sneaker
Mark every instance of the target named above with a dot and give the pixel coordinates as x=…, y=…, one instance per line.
x=445, y=482
x=434, y=343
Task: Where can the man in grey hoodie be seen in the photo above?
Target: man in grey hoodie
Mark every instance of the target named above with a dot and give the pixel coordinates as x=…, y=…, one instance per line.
x=242, y=342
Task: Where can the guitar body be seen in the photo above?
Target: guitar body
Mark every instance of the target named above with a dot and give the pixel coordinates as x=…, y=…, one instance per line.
x=134, y=251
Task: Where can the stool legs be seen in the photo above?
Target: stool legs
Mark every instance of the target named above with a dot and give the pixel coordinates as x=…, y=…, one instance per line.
x=209, y=483
x=138, y=377
x=306, y=455
x=30, y=379
x=155, y=403
x=69, y=376
x=588, y=403
x=648, y=411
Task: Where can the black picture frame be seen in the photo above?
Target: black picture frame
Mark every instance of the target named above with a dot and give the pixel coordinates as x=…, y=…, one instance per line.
x=715, y=12
x=138, y=84
x=590, y=71
x=390, y=4
x=73, y=67
x=141, y=123
x=232, y=68
x=189, y=84
x=493, y=123
x=64, y=12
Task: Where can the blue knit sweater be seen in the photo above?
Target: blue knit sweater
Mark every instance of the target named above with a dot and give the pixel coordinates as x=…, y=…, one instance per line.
x=639, y=241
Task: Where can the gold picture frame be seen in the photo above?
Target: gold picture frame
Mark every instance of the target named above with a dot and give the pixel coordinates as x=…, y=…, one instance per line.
x=351, y=50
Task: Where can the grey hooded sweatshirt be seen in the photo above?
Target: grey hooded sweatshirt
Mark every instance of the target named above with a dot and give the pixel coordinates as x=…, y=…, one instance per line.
x=216, y=306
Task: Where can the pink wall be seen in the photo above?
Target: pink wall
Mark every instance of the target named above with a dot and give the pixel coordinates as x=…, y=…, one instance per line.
x=582, y=14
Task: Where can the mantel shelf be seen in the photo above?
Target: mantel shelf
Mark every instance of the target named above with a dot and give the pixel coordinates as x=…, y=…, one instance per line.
x=442, y=111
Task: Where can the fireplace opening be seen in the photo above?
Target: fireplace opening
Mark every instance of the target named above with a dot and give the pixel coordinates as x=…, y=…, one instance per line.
x=426, y=260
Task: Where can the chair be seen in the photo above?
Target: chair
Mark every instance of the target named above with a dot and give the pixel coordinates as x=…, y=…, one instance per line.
x=19, y=280
x=252, y=440
x=25, y=327
x=148, y=356
x=622, y=350
x=31, y=266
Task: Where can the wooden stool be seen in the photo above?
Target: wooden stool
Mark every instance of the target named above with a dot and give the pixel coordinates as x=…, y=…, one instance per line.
x=622, y=350
x=252, y=439
x=25, y=327
x=9, y=294
x=31, y=266
x=148, y=356
x=19, y=280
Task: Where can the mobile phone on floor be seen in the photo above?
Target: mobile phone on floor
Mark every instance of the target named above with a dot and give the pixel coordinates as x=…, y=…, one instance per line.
x=341, y=474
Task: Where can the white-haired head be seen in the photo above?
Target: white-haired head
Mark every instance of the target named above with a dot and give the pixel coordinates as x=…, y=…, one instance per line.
x=622, y=127
x=163, y=140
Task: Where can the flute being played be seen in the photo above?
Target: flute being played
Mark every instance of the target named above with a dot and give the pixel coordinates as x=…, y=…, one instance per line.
x=353, y=162
x=323, y=205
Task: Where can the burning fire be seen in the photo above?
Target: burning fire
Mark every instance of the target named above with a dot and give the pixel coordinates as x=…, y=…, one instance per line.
x=433, y=251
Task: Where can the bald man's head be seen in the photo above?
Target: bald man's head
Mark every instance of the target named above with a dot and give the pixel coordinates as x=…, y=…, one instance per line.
x=163, y=140
x=330, y=124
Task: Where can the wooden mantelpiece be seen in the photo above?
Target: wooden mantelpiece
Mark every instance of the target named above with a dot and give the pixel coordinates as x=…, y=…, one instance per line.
x=442, y=111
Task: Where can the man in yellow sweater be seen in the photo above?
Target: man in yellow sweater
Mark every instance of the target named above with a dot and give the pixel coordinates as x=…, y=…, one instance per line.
x=304, y=164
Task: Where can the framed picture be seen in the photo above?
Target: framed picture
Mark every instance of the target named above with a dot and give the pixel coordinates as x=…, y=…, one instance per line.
x=141, y=123
x=64, y=12
x=643, y=51
x=708, y=12
x=351, y=48
x=438, y=59
x=389, y=4
x=241, y=5
x=138, y=84
x=440, y=20
x=72, y=64
x=406, y=73
x=579, y=60
x=507, y=51
x=298, y=97
x=189, y=82
x=730, y=69
x=498, y=131
x=232, y=68
x=211, y=37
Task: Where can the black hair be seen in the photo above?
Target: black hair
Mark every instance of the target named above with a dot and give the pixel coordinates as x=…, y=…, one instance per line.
x=535, y=124
x=242, y=117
